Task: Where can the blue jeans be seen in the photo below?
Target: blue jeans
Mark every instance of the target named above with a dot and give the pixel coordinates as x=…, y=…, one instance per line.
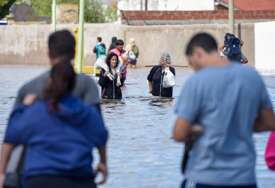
x=184, y=185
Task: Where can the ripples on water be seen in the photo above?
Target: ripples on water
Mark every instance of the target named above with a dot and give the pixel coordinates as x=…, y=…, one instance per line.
x=141, y=152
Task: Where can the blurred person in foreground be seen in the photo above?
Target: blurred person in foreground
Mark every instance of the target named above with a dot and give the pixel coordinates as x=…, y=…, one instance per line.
x=229, y=102
x=61, y=46
x=60, y=132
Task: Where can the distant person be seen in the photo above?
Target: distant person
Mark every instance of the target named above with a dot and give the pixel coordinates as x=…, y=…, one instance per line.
x=122, y=57
x=230, y=102
x=109, y=79
x=61, y=45
x=132, y=51
x=113, y=44
x=232, y=49
x=100, y=48
x=161, y=78
x=60, y=132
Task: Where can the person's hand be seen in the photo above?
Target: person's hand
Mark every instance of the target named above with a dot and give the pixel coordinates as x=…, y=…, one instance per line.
x=2, y=180
x=29, y=99
x=118, y=83
x=102, y=169
x=196, y=132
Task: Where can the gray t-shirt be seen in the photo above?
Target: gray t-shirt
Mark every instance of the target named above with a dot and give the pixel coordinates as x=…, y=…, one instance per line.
x=225, y=101
x=85, y=88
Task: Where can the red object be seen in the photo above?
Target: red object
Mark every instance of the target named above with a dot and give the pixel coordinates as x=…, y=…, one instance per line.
x=254, y=4
x=270, y=152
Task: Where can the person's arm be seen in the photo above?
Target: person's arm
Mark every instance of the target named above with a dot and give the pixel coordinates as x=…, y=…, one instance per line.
x=6, y=150
x=266, y=119
x=102, y=167
x=187, y=111
x=98, y=135
x=150, y=86
x=184, y=132
x=94, y=50
x=150, y=79
x=16, y=133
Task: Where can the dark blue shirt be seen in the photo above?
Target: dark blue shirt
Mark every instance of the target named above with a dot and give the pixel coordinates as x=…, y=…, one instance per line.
x=59, y=143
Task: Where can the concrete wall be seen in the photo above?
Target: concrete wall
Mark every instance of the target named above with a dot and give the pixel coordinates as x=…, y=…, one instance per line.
x=28, y=44
x=265, y=46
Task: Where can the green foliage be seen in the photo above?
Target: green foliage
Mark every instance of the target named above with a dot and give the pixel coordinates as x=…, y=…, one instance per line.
x=95, y=12
x=111, y=13
x=5, y=7
x=2, y=2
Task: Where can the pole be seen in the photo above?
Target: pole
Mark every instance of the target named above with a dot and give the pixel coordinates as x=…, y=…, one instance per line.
x=146, y=5
x=80, y=49
x=231, y=21
x=54, y=15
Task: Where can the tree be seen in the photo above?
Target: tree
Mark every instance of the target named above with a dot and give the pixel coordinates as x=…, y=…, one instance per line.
x=5, y=7
x=95, y=11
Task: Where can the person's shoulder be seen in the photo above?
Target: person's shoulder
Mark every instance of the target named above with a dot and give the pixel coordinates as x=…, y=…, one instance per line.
x=40, y=79
x=84, y=78
x=156, y=67
x=245, y=70
x=172, y=69
x=36, y=110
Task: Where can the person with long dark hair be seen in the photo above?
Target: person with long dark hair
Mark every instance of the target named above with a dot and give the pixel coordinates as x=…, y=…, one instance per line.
x=113, y=44
x=60, y=132
x=109, y=79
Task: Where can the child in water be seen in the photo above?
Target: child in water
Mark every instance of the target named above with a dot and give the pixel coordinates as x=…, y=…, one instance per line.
x=109, y=80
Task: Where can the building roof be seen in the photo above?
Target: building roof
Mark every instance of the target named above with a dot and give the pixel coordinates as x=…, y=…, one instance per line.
x=253, y=4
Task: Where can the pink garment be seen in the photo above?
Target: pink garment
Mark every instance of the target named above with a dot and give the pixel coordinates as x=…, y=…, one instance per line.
x=116, y=51
x=270, y=152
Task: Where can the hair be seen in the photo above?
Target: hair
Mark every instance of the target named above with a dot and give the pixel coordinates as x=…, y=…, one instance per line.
x=108, y=60
x=99, y=39
x=119, y=42
x=61, y=83
x=203, y=40
x=114, y=39
x=61, y=44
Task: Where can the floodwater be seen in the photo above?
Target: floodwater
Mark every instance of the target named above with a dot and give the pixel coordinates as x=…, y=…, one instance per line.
x=141, y=152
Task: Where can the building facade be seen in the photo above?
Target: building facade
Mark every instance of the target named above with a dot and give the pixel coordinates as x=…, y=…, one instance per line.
x=169, y=5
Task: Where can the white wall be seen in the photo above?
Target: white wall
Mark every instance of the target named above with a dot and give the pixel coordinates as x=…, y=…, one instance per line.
x=168, y=4
x=265, y=46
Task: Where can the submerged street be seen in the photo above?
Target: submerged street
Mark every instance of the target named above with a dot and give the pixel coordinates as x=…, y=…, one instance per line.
x=141, y=151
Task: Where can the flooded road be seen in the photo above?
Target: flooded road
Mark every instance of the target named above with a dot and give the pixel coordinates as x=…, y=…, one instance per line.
x=141, y=152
